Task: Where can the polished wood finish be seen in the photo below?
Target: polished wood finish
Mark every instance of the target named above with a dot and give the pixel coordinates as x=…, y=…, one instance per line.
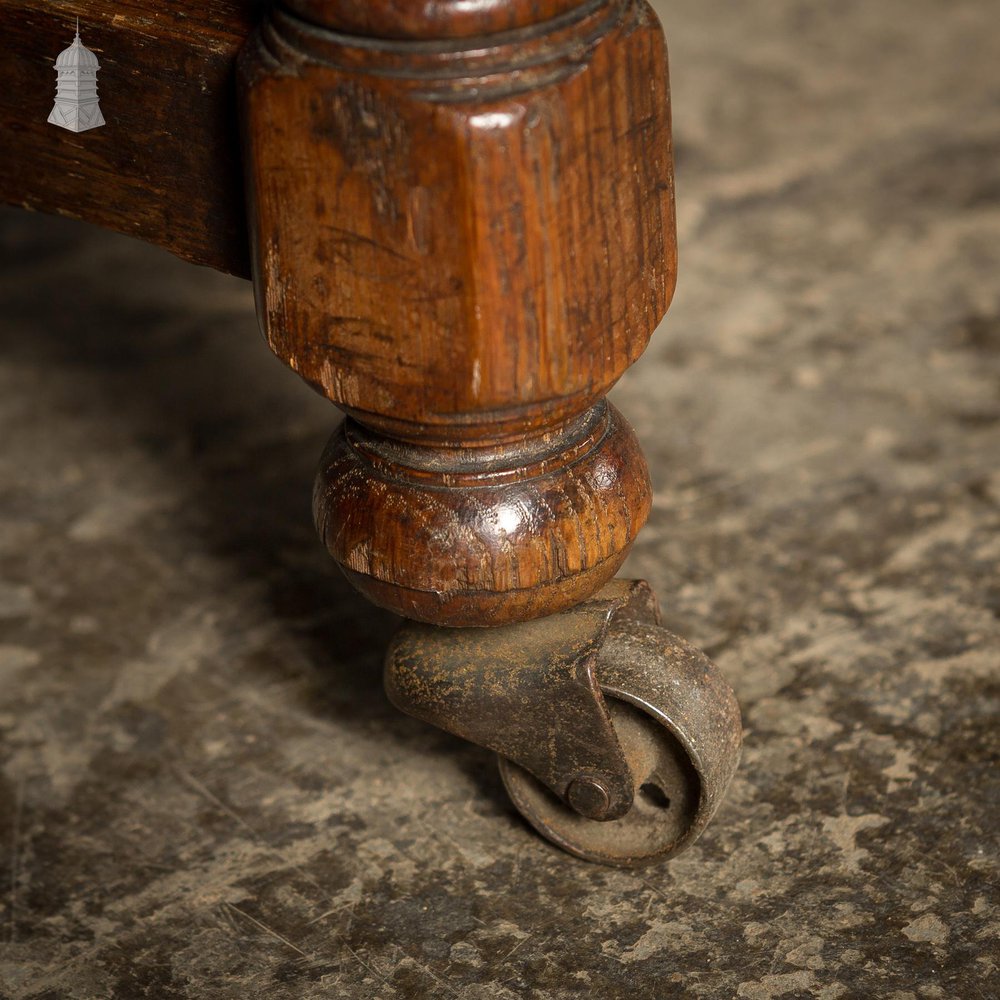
x=479, y=536
x=166, y=167
x=464, y=242
x=428, y=19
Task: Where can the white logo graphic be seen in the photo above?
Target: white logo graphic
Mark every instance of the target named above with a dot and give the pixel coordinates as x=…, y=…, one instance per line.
x=76, y=106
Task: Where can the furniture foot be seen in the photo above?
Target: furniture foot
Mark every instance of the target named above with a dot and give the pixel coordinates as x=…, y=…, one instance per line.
x=463, y=235
x=486, y=534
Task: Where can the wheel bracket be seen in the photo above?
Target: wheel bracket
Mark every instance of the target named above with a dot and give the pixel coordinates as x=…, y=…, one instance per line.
x=531, y=692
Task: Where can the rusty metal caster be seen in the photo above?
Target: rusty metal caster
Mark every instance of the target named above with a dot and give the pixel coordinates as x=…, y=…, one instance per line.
x=617, y=739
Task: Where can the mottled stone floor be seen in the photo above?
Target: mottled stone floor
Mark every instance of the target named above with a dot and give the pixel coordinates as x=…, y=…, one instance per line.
x=203, y=791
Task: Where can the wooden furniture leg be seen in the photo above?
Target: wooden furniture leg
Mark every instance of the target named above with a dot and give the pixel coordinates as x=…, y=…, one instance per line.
x=462, y=228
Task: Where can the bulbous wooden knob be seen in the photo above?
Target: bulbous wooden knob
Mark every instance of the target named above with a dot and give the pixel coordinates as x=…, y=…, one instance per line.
x=483, y=536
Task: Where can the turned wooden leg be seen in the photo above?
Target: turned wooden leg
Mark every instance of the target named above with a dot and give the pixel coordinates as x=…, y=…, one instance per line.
x=463, y=234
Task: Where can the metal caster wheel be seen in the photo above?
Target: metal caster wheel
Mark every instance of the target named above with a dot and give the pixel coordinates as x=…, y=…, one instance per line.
x=678, y=725
x=662, y=813
x=617, y=739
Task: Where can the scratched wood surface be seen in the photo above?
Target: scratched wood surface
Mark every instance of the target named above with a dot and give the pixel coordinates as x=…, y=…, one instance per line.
x=166, y=167
x=464, y=243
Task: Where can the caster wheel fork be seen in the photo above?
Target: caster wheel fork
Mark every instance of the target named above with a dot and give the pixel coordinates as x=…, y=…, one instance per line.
x=616, y=738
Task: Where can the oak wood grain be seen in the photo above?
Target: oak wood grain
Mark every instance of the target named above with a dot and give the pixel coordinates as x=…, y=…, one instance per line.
x=464, y=241
x=483, y=536
x=460, y=242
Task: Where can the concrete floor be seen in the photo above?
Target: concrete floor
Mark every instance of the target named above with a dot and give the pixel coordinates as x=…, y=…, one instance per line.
x=203, y=791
